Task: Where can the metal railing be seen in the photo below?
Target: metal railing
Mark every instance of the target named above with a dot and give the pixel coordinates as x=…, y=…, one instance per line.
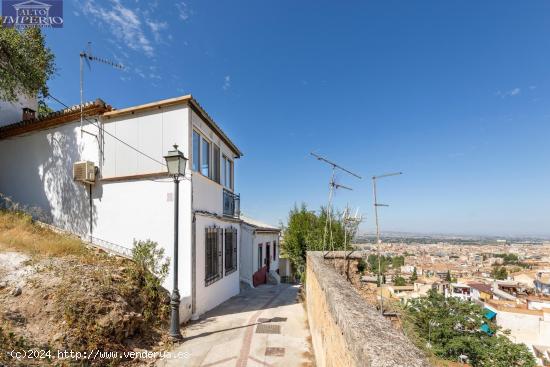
x=231, y=204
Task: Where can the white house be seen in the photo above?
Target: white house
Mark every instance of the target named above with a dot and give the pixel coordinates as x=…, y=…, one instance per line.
x=260, y=250
x=131, y=197
x=459, y=290
x=527, y=323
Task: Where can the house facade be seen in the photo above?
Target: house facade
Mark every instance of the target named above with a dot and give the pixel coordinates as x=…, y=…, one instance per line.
x=131, y=197
x=260, y=250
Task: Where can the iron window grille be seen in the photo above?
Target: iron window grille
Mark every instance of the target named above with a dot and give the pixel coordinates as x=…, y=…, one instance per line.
x=213, y=257
x=230, y=250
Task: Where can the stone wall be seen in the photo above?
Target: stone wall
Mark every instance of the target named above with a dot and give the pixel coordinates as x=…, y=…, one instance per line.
x=345, y=330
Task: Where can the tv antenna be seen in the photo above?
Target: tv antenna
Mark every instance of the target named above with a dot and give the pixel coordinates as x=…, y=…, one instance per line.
x=332, y=187
x=378, y=241
x=87, y=56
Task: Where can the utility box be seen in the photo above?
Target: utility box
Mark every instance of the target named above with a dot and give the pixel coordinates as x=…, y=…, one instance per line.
x=84, y=172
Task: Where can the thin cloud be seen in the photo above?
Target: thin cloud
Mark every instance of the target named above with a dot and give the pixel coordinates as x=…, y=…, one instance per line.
x=510, y=93
x=156, y=28
x=184, y=11
x=226, y=82
x=124, y=24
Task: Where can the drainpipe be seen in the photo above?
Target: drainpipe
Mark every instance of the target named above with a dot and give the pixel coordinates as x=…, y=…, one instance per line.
x=91, y=212
x=194, y=315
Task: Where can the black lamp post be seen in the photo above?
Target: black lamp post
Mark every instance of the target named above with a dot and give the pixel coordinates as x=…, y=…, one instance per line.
x=175, y=162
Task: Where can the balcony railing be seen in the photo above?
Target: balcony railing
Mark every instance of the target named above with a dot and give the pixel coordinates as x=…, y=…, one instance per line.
x=231, y=204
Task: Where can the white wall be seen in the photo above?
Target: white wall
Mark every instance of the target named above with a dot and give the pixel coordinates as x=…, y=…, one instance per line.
x=228, y=286
x=37, y=171
x=152, y=132
x=263, y=239
x=525, y=328
x=144, y=210
x=207, y=195
x=246, y=257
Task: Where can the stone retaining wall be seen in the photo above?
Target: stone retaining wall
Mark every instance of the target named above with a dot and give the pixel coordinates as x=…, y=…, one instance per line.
x=345, y=330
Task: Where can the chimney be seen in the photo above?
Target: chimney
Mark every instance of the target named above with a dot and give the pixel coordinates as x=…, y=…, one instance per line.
x=28, y=114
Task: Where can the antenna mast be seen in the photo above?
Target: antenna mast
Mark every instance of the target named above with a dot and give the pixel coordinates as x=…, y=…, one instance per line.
x=87, y=56
x=378, y=241
x=332, y=187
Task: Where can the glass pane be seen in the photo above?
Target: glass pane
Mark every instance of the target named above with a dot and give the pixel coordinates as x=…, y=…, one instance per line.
x=196, y=151
x=205, y=158
x=216, y=164
x=230, y=174
x=224, y=170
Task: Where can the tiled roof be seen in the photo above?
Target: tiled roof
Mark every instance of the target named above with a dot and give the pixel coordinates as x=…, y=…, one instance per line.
x=258, y=224
x=481, y=287
x=53, y=119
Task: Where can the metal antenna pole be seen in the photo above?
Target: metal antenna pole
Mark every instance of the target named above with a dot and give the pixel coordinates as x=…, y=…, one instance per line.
x=378, y=241
x=332, y=186
x=87, y=56
x=81, y=91
x=330, y=195
x=378, y=244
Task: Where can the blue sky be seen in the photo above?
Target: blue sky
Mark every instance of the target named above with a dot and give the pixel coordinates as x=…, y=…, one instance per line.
x=453, y=93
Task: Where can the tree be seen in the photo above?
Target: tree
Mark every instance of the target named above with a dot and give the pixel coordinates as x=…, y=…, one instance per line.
x=414, y=276
x=499, y=272
x=397, y=261
x=448, y=276
x=399, y=281
x=305, y=231
x=26, y=64
x=453, y=327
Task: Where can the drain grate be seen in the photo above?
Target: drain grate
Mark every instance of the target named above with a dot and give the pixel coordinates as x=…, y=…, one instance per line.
x=275, y=352
x=268, y=329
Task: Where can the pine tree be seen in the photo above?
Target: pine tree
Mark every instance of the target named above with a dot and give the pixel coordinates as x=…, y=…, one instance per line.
x=414, y=276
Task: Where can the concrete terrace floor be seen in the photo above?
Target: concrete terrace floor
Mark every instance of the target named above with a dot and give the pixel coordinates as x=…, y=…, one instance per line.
x=227, y=336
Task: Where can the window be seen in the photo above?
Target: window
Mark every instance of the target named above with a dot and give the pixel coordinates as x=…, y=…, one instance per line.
x=216, y=163
x=227, y=172
x=260, y=256
x=205, y=157
x=230, y=250
x=196, y=150
x=274, y=250
x=213, y=255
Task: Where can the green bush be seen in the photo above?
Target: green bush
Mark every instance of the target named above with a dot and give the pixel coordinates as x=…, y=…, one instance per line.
x=361, y=266
x=150, y=270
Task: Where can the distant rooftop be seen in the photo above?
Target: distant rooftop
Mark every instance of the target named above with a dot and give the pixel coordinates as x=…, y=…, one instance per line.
x=259, y=225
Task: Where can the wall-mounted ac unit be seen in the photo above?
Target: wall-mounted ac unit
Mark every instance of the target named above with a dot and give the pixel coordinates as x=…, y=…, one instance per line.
x=84, y=172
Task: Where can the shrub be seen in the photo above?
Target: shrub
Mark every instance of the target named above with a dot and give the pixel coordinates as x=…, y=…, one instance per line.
x=150, y=270
x=361, y=266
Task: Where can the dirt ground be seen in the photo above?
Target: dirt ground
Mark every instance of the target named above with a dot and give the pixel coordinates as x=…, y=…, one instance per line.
x=69, y=302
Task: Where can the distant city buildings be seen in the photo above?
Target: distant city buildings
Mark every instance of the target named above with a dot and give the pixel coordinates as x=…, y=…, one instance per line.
x=509, y=279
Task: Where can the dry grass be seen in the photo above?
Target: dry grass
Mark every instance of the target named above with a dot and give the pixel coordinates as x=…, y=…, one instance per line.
x=18, y=232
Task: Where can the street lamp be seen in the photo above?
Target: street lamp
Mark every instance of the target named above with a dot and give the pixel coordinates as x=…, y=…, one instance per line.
x=376, y=205
x=175, y=162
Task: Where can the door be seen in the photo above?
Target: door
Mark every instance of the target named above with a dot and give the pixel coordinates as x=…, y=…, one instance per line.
x=267, y=256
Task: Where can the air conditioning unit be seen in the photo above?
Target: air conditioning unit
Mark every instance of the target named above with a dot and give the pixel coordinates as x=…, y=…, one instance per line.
x=84, y=172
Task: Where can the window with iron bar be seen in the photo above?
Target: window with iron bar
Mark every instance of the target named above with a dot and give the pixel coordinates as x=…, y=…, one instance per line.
x=213, y=254
x=230, y=250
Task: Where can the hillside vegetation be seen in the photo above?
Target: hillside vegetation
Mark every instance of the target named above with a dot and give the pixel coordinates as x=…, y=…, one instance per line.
x=56, y=294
